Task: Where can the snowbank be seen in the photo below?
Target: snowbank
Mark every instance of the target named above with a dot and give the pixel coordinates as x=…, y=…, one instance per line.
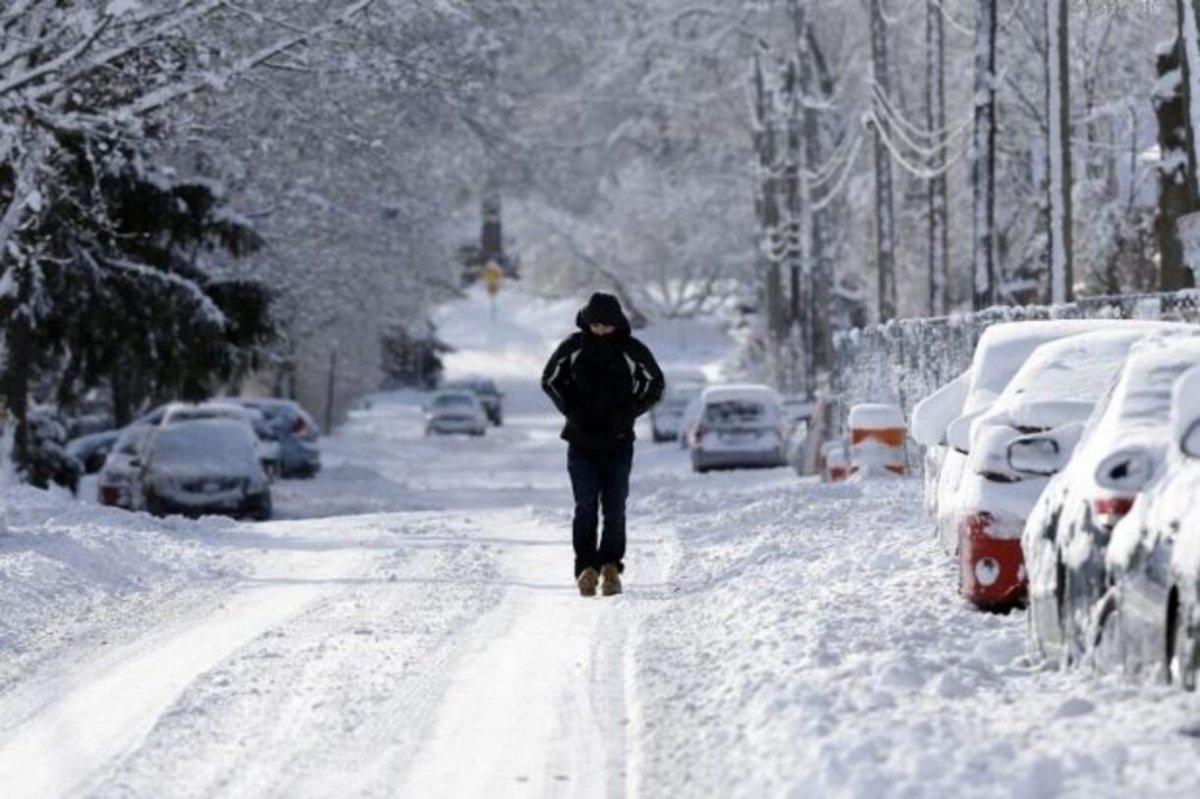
x=68, y=568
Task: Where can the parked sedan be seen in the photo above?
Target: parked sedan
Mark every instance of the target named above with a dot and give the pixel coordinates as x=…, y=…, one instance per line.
x=1123, y=448
x=92, y=449
x=204, y=466
x=1153, y=558
x=118, y=475
x=1054, y=392
x=666, y=418
x=455, y=412
x=739, y=426
x=294, y=429
x=484, y=388
x=1001, y=351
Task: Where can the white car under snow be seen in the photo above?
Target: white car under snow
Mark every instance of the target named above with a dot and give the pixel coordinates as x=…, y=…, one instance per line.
x=739, y=426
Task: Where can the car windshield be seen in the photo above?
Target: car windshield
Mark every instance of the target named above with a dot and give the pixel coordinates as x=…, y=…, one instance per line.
x=735, y=413
x=211, y=445
x=453, y=401
x=194, y=414
x=131, y=440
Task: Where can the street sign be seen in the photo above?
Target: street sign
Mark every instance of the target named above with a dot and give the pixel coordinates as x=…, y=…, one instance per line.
x=493, y=275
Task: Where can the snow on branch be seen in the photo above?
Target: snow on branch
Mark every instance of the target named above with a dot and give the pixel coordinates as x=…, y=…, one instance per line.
x=208, y=309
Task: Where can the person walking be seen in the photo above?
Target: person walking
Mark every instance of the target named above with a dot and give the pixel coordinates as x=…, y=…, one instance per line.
x=601, y=379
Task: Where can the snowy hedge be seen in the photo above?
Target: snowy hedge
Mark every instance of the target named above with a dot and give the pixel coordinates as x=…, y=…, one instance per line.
x=905, y=360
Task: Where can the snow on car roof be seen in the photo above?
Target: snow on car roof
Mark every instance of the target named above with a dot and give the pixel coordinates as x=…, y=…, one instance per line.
x=1004, y=347
x=740, y=391
x=1062, y=380
x=213, y=444
x=1143, y=393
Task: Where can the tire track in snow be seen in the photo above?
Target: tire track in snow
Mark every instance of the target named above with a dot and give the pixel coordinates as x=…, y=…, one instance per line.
x=333, y=702
x=103, y=709
x=541, y=704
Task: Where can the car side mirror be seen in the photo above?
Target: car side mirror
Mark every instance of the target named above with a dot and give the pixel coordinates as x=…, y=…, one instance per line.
x=1038, y=455
x=958, y=434
x=1127, y=470
x=1190, y=444
x=135, y=463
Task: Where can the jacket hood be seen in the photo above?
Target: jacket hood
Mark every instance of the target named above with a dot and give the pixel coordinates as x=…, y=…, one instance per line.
x=605, y=309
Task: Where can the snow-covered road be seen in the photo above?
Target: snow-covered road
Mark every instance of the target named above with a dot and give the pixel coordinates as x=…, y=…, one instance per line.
x=408, y=627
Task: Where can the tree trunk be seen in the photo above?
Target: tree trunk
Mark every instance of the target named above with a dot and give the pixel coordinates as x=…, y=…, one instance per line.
x=768, y=203
x=1058, y=115
x=1189, y=35
x=885, y=244
x=1173, y=200
x=983, y=155
x=823, y=267
x=935, y=121
x=17, y=370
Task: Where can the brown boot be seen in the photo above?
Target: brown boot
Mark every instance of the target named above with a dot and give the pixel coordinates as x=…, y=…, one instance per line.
x=586, y=581
x=612, y=579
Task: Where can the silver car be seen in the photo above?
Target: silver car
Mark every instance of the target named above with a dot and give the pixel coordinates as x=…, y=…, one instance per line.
x=455, y=412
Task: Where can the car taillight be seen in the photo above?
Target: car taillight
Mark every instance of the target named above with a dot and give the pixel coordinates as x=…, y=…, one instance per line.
x=299, y=426
x=697, y=436
x=1111, y=510
x=109, y=495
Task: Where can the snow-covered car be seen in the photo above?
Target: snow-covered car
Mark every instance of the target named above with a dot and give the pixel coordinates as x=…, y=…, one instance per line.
x=485, y=389
x=1150, y=617
x=666, y=418
x=455, y=412
x=1123, y=447
x=294, y=429
x=1001, y=351
x=267, y=441
x=796, y=410
x=117, y=485
x=92, y=449
x=1054, y=392
x=1179, y=508
x=204, y=466
x=930, y=419
x=739, y=426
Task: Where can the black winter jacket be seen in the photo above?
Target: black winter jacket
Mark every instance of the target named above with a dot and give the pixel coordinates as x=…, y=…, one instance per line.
x=601, y=384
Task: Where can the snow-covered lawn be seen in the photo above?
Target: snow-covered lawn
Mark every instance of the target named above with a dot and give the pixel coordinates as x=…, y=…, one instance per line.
x=408, y=626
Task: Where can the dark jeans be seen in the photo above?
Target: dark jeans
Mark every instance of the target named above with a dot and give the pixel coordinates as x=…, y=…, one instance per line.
x=599, y=479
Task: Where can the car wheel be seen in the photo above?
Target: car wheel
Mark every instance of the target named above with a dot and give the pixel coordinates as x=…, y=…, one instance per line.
x=1106, y=636
x=154, y=506
x=1181, y=651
